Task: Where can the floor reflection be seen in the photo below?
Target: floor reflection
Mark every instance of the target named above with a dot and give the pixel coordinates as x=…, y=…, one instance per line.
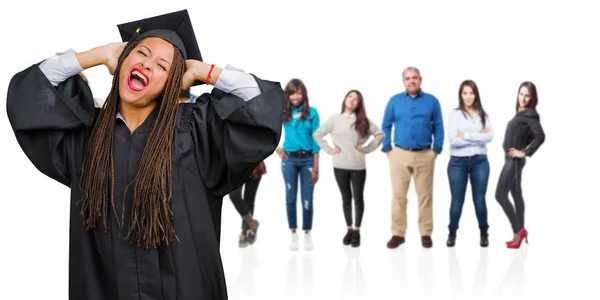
x=353, y=286
x=512, y=285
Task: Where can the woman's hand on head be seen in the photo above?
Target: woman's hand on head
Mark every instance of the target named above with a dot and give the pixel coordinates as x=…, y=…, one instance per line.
x=189, y=77
x=112, y=53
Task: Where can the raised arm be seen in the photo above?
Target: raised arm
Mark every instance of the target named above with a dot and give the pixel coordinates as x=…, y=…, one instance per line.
x=229, y=80
x=237, y=125
x=51, y=110
x=63, y=65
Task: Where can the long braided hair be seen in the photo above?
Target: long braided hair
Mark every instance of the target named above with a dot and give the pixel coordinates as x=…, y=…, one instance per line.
x=151, y=221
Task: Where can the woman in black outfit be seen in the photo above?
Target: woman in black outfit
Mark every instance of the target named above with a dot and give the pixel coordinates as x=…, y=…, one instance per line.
x=524, y=135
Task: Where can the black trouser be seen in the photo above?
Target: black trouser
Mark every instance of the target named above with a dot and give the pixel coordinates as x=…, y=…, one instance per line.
x=352, y=182
x=510, y=181
x=245, y=206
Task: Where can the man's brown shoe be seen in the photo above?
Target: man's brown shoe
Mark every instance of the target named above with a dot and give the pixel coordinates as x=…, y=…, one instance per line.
x=426, y=241
x=395, y=241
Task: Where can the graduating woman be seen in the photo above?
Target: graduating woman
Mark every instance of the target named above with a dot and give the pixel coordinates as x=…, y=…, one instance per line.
x=147, y=174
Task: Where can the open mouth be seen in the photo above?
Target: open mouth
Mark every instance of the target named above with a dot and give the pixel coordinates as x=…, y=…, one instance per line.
x=137, y=80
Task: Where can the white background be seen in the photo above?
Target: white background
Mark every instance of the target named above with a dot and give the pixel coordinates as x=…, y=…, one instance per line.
x=334, y=48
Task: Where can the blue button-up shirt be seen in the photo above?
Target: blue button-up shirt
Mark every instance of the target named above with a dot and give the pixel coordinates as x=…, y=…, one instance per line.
x=415, y=121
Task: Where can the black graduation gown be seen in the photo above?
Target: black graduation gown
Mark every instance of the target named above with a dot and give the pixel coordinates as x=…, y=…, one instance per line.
x=219, y=140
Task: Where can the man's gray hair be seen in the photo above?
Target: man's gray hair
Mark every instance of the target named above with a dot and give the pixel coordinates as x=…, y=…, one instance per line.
x=411, y=69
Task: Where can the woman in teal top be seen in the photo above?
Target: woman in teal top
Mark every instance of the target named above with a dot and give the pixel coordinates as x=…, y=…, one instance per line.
x=299, y=158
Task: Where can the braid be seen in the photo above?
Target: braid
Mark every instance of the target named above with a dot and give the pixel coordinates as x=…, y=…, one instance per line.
x=151, y=221
x=97, y=173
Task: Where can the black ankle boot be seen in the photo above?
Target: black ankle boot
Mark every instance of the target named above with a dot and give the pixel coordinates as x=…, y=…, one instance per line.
x=451, y=238
x=348, y=237
x=356, y=238
x=484, y=238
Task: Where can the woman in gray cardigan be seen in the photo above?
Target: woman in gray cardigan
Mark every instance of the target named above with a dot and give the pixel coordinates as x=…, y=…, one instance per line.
x=349, y=130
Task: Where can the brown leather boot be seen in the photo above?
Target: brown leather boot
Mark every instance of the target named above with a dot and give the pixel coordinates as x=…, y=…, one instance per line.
x=251, y=232
x=426, y=241
x=395, y=241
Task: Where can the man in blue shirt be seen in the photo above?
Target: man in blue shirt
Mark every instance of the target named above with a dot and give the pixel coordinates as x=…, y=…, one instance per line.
x=418, y=138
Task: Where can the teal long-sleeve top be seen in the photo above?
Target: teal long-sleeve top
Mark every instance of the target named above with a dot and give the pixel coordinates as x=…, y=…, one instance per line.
x=299, y=133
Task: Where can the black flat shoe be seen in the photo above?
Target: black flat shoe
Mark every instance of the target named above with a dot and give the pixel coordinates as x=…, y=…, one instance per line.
x=348, y=237
x=355, y=238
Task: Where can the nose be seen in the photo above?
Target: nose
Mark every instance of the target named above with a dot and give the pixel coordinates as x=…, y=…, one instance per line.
x=145, y=65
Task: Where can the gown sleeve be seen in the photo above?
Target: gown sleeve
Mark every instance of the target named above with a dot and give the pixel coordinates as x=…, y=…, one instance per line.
x=233, y=136
x=51, y=124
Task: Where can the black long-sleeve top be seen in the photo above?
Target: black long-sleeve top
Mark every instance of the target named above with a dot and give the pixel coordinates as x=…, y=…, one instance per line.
x=524, y=132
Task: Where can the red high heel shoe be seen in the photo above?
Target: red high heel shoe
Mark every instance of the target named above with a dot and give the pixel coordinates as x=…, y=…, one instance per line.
x=522, y=236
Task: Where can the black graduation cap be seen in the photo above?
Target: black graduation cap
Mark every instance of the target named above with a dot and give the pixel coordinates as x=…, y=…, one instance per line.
x=176, y=28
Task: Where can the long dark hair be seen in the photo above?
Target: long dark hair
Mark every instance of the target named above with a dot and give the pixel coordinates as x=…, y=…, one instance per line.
x=476, y=103
x=361, y=125
x=533, y=96
x=151, y=221
x=291, y=88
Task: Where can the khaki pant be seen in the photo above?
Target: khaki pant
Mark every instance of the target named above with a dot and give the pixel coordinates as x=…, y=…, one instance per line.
x=403, y=164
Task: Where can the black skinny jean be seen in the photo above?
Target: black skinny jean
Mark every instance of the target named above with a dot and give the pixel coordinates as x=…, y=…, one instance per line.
x=510, y=181
x=352, y=183
x=245, y=205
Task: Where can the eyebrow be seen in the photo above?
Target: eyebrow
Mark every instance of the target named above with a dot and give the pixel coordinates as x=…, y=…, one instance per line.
x=159, y=58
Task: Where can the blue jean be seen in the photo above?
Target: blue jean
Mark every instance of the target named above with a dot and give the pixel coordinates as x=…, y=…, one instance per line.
x=298, y=166
x=460, y=170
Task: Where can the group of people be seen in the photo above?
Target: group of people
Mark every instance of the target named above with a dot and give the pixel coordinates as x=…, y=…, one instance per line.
x=417, y=139
x=148, y=172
